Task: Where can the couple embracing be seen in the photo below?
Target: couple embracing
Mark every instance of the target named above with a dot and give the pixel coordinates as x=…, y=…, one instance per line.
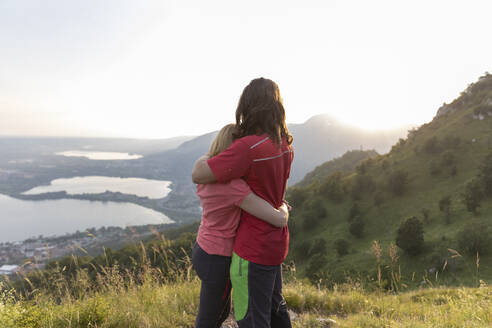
x=243, y=237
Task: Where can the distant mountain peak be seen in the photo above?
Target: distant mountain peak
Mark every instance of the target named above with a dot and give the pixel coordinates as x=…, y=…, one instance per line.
x=322, y=119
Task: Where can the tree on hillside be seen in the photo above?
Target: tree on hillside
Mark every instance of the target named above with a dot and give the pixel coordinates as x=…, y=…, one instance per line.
x=475, y=238
x=397, y=182
x=341, y=246
x=448, y=161
x=316, y=211
x=332, y=187
x=426, y=215
x=410, y=236
x=378, y=199
x=302, y=249
x=445, y=207
x=385, y=164
x=434, y=168
x=451, y=142
x=486, y=175
x=363, y=184
x=315, y=266
x=356, y=227
x=364, y=166
x=310, y=222
x=297, y=196
x=354, y=212
x=431, y=146
x=473, y=195
x=318, y=247
x=448, y=158
x=399, y=145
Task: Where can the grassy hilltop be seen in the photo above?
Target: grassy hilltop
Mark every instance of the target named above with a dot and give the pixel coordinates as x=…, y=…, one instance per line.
x=174, y=305
x=440, y=174
x=395, y=240
x=112, y=295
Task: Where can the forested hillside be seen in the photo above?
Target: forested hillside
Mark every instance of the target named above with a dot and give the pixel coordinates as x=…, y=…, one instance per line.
x=343, y=164
x=431, y=196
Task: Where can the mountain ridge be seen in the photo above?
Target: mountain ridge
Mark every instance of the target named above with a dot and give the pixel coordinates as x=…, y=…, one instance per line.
x=433, y=174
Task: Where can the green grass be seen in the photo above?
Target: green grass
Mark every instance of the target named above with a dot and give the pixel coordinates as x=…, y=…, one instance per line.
x=152, y=297
x=175, y=305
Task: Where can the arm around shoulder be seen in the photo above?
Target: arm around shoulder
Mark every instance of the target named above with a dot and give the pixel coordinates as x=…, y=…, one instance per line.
x=201, y=172
x=263, y=210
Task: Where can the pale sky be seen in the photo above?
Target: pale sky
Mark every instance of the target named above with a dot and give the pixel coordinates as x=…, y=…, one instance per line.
x=157, y=69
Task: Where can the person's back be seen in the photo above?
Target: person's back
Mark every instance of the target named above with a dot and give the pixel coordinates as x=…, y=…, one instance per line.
x=268, y=168
x=211, y=256
x=262, y=156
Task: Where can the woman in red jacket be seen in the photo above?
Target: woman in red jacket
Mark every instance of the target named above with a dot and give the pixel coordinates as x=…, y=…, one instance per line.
x=222, y=204
x=261, y=155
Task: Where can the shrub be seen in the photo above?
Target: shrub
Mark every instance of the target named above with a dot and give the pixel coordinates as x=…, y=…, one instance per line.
x=434, y=168
x=319, y=246
x=303, y=248
x=473, y=195
x=354, y=212
x=451, y=142
x=448, y=159
x=410, y=236
x=399, y=145
x=297, y=196
x=341, y=246
x=27, y=317
x=431, y=146
x=486, y=175
x=94, y=312
x=445, y=207
x=378, y=199
x=453, y=170
x=426, y=215
x=397, y=182
x=315, y=266
x=317, y=208
x=364, y=166
x=385, y=164
x=310, y=222
x=363, y=183
x=332, y=187
x=316, y=211
x=475, y=238
x=356, y=227
x=438, y=260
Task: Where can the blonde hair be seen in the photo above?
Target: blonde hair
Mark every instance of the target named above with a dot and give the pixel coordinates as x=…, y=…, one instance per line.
x=223, y=140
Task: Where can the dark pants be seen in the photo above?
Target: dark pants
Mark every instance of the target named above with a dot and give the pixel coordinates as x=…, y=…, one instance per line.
x=215, y=293
x=258, y=301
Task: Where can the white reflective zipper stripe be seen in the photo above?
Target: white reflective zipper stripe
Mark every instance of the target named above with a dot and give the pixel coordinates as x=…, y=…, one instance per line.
x=273, y=157
x=259, y=142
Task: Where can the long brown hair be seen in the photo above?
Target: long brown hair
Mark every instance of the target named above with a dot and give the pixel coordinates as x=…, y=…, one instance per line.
x=223, y=140
x=260, y=110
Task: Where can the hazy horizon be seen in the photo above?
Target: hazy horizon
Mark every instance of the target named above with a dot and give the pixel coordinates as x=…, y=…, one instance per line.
x=348, y=125
x=156, y=70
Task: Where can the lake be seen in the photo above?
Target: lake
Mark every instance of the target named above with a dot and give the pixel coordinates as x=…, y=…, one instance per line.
x=21, y=219
x=99, y=155
x=99, y=184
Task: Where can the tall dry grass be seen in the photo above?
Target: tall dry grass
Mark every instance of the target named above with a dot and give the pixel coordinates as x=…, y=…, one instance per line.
x=152, y=297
